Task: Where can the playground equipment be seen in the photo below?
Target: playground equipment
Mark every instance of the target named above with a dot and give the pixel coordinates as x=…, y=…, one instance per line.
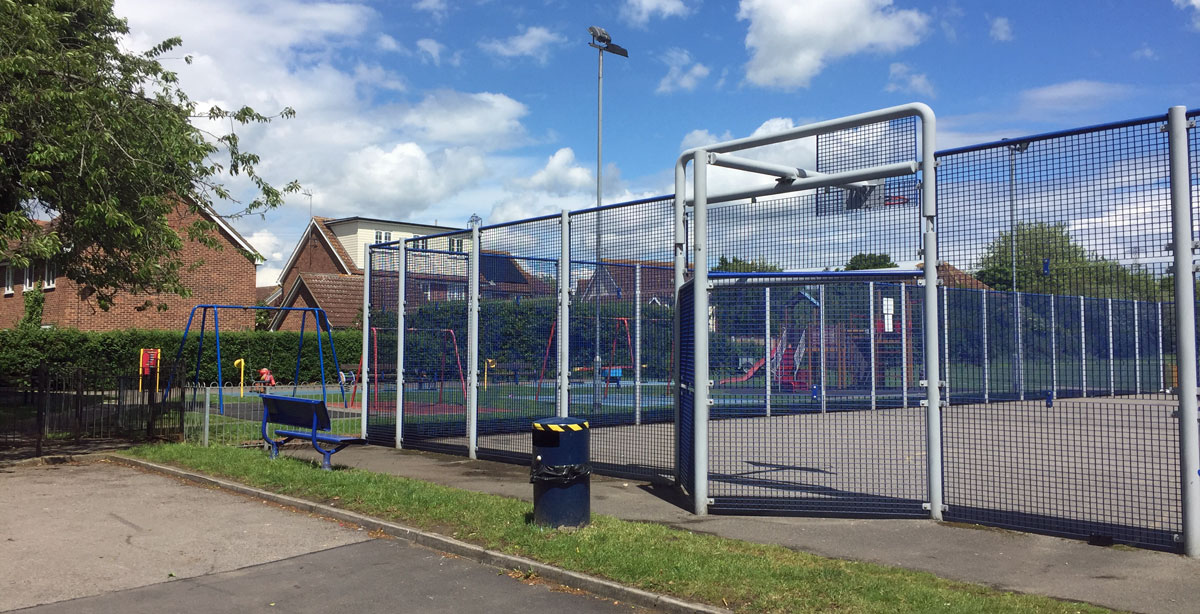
x=322, y=322
x=241, y=366
x=148, y=360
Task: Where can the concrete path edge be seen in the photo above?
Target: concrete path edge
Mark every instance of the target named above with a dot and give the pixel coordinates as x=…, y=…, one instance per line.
x=597, y=586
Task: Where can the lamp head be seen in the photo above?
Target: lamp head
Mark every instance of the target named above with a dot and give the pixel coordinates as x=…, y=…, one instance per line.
x=600, y=35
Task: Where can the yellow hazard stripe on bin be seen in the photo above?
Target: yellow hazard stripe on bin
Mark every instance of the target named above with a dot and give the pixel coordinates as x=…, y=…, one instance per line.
x=560, y=428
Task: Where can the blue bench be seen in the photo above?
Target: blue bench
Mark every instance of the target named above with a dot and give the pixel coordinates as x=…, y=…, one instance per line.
x=308, y=413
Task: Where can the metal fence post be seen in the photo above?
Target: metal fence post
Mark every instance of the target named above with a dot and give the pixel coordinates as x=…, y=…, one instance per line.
x=1112, y=369
x=871, y=335
x=1053, y=350
x=700, y=329
x=367, y=367
x=821, y=340
x=637, y=344
x=564, y=315
x=1019, y=355
x=986, y=357
x=767, y=343
x=1162, y=367
x=207, y=409
x=946, y=342
x=933, y=419
x=1137, y=350
x=401, y=305
x=473, y=342
x=1185, y=314
x=904, y=345
x=1082, y=348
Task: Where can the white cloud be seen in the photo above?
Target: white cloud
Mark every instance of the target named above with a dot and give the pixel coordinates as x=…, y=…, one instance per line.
x=534, y=42
x=401, y=180
x=1071, y=96
x=948, y=19
x=266, y=242
x=680, y=76
x=901, y=78
x=1145, y=52
x=431, y=51
x=267, y=275
x=437, y=8
x=799, y=153
x=484, y=120
x=1001, y=29
x=386, y=43
x=1194, y=5
x=561, y=176
x=639, y=12
x=791, y=41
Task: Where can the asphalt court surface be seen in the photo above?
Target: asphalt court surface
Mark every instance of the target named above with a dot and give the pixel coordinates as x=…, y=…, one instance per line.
x=102, y=537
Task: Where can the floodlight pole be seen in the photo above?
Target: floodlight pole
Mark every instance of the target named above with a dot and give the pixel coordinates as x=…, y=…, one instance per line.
x=602, y=43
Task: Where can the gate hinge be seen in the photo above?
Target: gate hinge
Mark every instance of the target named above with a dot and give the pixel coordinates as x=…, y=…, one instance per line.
x=710, y=501
x=929, y=506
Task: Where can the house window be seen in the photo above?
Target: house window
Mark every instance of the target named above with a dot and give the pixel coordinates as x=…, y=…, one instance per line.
x=382, y=236
x=456, y=245
x=421, y=244
x=8, y=289
x=27, y=284
x=51, y=273
x=456, y=292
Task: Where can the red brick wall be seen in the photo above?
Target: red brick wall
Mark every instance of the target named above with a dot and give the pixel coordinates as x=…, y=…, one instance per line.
x=226, y=277
x=292, y=319
x=314, y=257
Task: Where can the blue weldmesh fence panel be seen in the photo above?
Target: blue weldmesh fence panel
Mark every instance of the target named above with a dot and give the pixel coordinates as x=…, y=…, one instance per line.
x=899, y=345
x=518, y=334
x=384, y=306
x=1037, y=351
x=801, y=448
x=870, y=145
x=964, y=332
x=1068, y=340
x=622, y=280
x=686, y=354
x=1149, y=347
x=434, y=414
x=1077, y=222
x=1002, y=346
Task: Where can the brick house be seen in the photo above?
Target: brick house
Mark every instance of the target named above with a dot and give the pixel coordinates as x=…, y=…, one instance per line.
x=325, y=269
x=225, y=276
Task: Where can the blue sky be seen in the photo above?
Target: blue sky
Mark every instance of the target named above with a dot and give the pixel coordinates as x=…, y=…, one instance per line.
x=433, y=110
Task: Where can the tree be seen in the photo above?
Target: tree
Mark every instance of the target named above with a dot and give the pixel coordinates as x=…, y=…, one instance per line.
x=863, y=261
x=102, y=142
x=733, y=264
x=1048, y=261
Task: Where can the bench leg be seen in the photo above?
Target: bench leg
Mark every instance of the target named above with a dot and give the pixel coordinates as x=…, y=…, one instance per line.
x=325, y=464
x=274, y=449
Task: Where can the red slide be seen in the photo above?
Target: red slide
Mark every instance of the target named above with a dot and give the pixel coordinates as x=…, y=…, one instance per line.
x=741, y=378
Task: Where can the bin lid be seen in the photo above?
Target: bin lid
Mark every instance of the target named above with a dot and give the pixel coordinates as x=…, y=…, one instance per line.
x=560, y=425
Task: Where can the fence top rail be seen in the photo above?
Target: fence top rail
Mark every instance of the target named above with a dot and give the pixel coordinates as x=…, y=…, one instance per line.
x=1054, y=135
x=388, y=245
x=444, y=252
x=450, y=233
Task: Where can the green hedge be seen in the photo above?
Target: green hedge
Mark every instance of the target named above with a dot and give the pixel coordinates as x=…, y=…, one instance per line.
x=116, y=352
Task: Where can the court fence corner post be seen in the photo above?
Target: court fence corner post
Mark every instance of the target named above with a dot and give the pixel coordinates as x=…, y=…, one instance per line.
x=1183, y=248
x=473, y=341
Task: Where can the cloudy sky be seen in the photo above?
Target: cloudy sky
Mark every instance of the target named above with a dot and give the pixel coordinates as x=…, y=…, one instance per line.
x=434, y=110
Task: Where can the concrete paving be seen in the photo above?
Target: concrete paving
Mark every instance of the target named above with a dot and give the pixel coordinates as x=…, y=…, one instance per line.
x=1125, y=579
x=103, y=537
x=372, y=577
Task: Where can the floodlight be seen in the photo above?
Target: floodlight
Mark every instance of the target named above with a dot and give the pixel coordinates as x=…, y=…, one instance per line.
x=599, y=34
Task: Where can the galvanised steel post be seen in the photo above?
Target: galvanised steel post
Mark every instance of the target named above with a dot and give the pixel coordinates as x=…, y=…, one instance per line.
x=564, y=315
x=933, y=419
x=1137, y=350
x=821, y=329
x=700, y=329
x=871, y=334
x=597, y=363
x=367, y=367
x=401, y=304
x=473, y=341
x=767, y=339
x=904, y=346
x=986, y=357
x=680, y=271
x=1183, y=243
x=207, y=410
x=1083, y=347
x=637, y=344
x=1019, y=359
x=1112, y=368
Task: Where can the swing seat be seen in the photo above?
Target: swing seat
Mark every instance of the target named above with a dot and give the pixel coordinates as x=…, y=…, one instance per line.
x=310, y=413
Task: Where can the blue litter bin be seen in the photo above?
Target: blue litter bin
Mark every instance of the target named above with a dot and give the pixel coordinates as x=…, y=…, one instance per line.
x=561, y=472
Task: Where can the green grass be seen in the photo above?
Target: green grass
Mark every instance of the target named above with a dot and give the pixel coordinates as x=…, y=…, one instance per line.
x=743, y=576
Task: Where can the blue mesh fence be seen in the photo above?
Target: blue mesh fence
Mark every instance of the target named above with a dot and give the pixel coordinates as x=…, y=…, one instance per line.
x=1073, y=434
x=518, y=331
x=434, y=413
x=384, y=305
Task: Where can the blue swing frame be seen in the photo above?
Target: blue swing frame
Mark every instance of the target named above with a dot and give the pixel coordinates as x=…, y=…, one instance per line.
x=322, y=321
